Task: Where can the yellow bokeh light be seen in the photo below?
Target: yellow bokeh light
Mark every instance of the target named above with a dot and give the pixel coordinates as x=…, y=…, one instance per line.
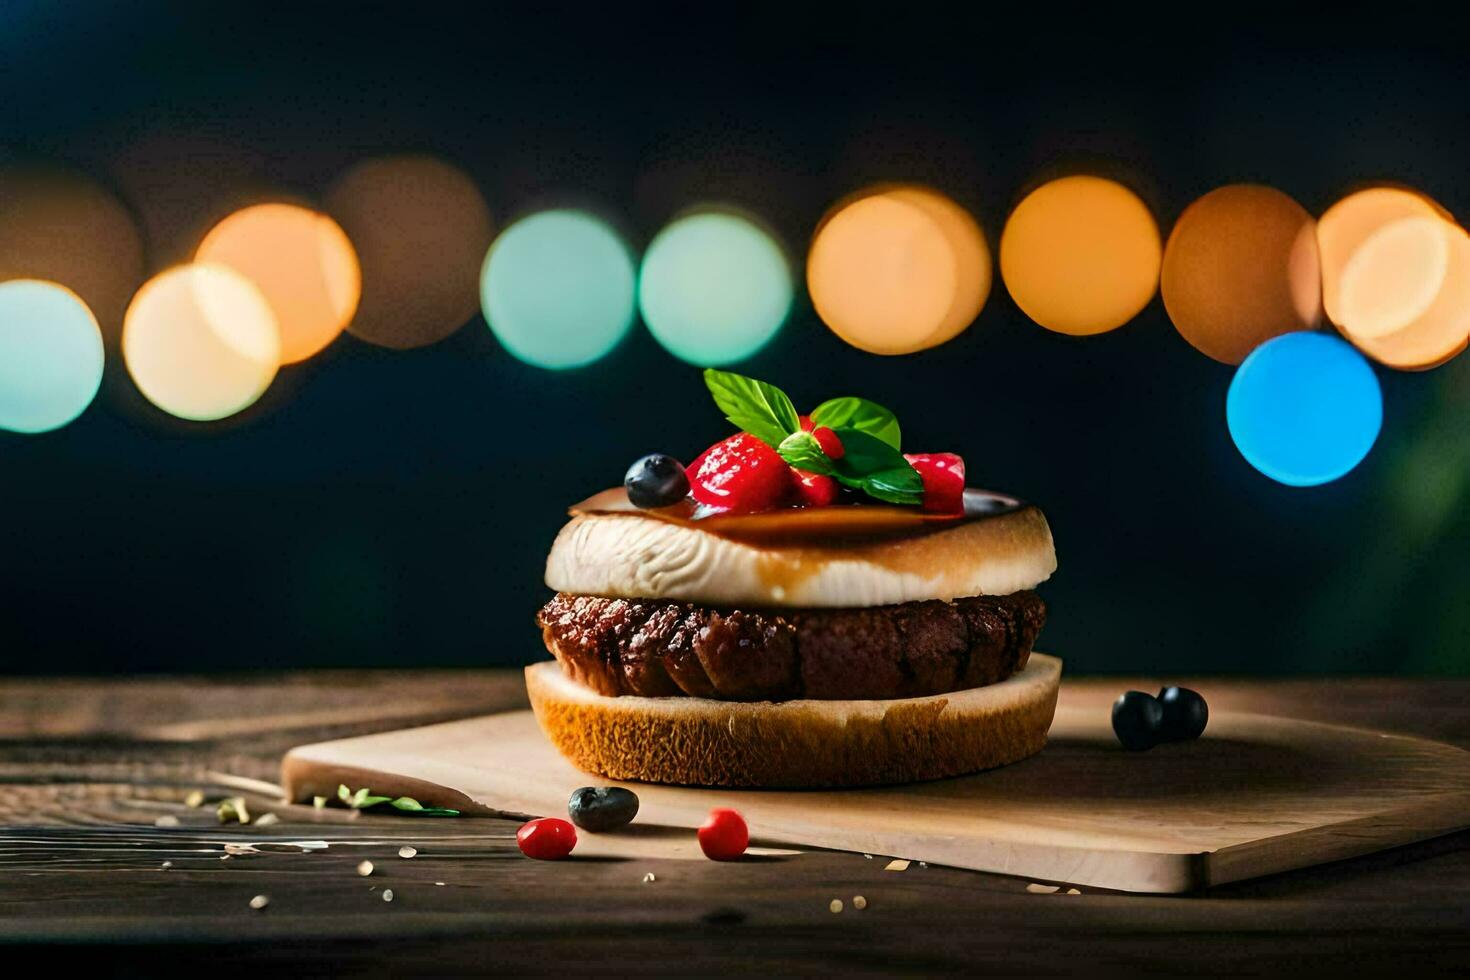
x=201, y=342
x=1396, y=276
x=421, y=229
x=302, y=262
x=898, y=270
x=1240, y=267
x=1081, y=255
x=61, y=226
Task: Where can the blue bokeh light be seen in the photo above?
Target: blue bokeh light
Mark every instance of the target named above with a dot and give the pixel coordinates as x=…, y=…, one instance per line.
x=1304, y=408
x=558, y=289
x=715, y=288
x=50, y=356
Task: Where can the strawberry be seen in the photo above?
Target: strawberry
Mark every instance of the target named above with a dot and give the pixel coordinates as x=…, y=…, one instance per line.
x=739, y=475
x=813, y=489
x=807, y=424
x=944, y=480
x=827, y=439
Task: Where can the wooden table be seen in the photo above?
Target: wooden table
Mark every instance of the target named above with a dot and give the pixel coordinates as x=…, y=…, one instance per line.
x=97, y=773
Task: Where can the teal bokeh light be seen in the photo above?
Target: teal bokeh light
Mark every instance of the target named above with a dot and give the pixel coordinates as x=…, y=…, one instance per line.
x=1304, y=408
x=558, y=288
x=715, y=287
x=50, y=356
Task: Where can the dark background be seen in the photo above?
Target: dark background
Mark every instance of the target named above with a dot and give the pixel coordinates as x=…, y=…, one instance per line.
x=381, y=507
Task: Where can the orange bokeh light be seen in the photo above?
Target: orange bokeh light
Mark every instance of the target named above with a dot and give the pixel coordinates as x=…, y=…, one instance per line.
x=1396, y=277
x=1240, y=267
x=302, y=262
x=1081, y=255
x=898, y=270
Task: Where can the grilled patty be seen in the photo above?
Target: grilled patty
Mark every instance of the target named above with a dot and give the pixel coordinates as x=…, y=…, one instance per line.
x=660, y=648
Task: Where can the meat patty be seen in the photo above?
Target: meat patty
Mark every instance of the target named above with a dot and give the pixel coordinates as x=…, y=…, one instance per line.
x=661, y=648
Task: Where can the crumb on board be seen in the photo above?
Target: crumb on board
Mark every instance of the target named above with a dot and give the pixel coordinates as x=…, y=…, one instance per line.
x=167, y=820
x=859, y=902
x=868, y=856
x=1036, y=888
x=649, y=877
x=407, y=852
x=365, y=868
x=195, y=799
x=259, y=902
x=266, y=819
x=897, y=864
x=835, y=905
x=318, y=802
x=440, y=883
x=166, y=865
x=1074, y=891
x=387, y=894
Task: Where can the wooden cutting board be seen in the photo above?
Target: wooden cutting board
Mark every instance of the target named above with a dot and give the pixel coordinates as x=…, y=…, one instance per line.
x=1256, y=795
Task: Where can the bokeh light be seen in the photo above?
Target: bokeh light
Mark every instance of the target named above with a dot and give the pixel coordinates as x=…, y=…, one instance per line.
x=714, y=287
x=898, y=270
x=50, y=356
x=63, y=227
x=1081, y=255
x=1240, y=267
x=302, y=262
x=558, y=288
x=1304, y=408
x=201, y=342
x=1396, y=277
x=421, y=229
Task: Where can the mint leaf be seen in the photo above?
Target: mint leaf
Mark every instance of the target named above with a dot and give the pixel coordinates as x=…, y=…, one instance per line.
x=873, y=466
x=802, y=451
x=753, y=406
x=860, y=414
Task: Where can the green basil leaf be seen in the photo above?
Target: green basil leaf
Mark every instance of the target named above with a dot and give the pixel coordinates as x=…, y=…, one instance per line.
x=860, y=414
x=802, y=451
x=876, y=468
x=753, y=406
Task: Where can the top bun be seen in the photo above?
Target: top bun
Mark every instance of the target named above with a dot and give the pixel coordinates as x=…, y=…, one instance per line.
x=641, y=555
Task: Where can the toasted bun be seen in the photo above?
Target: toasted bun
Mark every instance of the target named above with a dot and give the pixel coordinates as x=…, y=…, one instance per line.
x=633, y=556
x=803, y=744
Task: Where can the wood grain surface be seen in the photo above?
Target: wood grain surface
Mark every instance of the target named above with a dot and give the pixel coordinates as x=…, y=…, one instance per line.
x=89, y=767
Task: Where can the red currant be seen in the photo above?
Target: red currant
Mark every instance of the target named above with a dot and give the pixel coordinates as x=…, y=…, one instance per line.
x=740, y=475
x=546, y=839
x=827, y=439
x=813, y=489
x=723, y=836
x=944, y=481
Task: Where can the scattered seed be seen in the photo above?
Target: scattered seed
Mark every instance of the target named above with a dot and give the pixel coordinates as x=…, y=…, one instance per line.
x=868, y=856
x=387, y=894
x=166, y=865
x=439, y=883
x=407, y=852
x=259, y=902
x=1073, y=891
x=1037, y=889
x=224, y=857
x=897, y=865
x=365, y=868
x=266, y=819
x=923, y=864
x=318, y=802
x=649, y=877
x=835, y=905
x=167, y=820
x=859, y=903
x=195, y=799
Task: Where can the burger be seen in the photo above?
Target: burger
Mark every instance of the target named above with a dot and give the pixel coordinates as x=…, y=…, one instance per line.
x=804, y=605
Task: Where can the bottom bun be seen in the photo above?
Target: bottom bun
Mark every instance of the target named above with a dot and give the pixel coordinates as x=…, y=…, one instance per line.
x=700, y=742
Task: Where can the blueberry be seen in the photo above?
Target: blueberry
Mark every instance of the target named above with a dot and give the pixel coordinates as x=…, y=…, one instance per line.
x=599, y=808
x=1185, y=713
x=1137, y=720
x=656, y=480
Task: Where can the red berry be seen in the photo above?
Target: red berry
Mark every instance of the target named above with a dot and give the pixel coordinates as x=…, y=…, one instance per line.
x=723, y=835
x=547, y=839
x=807, y=424
x=740, y=475
x=944, y=481
x=827, y=439
x=813, y=489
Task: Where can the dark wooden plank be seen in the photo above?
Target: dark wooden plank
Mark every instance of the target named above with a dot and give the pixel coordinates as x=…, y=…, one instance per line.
x=88, y=766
